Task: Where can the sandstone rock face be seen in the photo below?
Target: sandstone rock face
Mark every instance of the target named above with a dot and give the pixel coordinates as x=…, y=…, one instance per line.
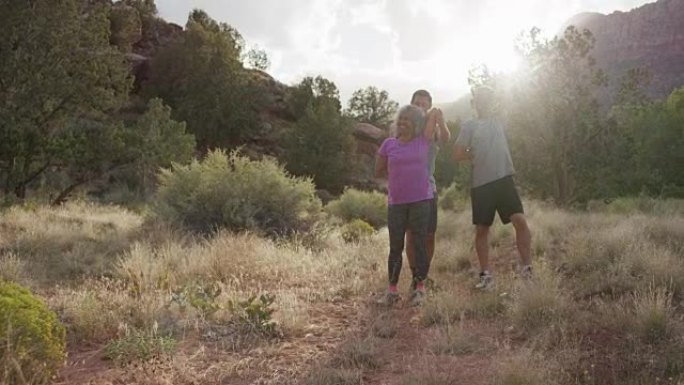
x=651, y=37
x=369, y=133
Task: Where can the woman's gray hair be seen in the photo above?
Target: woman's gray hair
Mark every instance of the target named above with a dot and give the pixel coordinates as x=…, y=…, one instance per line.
x=418, y=116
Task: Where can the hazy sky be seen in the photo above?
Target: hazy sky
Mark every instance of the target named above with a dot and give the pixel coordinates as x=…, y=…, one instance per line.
x=398, y=45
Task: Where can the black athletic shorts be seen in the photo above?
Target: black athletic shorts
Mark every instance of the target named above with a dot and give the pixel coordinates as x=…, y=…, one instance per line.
x=498, y=196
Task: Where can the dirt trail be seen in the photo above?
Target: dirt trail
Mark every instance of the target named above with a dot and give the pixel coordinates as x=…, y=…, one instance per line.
x=409, y=357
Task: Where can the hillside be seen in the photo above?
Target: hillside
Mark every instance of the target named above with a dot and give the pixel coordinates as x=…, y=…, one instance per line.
x=651, y=36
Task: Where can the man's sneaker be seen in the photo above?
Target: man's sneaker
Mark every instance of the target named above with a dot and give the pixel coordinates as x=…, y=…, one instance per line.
x=526, y=272
x=417, y=298
x=388, y=299
x=486, y=281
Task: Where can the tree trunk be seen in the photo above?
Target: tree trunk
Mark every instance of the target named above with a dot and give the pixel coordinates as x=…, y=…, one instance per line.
x=64, y=195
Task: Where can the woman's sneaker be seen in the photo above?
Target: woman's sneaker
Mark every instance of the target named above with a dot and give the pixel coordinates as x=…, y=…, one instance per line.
x=388, y=299
x=418, y=297
x=486, y=281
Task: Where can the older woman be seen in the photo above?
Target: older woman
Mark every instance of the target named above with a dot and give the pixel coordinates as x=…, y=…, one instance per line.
x=404, y=160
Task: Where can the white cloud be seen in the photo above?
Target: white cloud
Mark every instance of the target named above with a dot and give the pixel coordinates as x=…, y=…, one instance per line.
x=399, y=45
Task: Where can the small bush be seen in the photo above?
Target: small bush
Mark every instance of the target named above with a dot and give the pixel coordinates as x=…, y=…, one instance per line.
x=255, y=314
x=357, y=230
x=453, y=198
x=234, y=192
x=139, y=346
x=31, y=337
x=370, y=207
x=202, y=298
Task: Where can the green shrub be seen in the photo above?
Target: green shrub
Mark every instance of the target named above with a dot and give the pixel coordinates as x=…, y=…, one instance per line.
x=139, y=346
x=255, y=315
x=202, y=298
x=370, y=207
x=453, y=198
x=234, y=192
x=31, y=337
x=356, y=230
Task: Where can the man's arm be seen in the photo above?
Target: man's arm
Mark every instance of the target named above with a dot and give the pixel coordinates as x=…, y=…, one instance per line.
x=380, y=166
x=462, y=153
x=462, y=149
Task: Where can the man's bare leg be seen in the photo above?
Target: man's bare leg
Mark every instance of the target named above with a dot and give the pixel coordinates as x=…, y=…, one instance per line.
x=482, y=246
x=523, y=238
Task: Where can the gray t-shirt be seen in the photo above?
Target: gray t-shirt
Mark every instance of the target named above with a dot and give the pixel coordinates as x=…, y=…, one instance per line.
x=432, y=159
x=489, y=147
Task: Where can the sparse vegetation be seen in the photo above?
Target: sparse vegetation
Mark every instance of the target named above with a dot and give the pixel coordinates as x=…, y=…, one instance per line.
x=370, y=207
x=601, y=279
x=231, y=191
x=31, y=337
x=356, y=231
x=139, y=346
x=230, y=270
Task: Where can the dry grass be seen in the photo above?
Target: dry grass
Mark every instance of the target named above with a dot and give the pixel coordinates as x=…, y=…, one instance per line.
x=13, y=269
x=525, y=368
x=385, y=326
x=608, y=288
x=451, y=340
x=73, y=241
x=653, y=314
x=359, y=354
x=539, y=302
x=331, y=376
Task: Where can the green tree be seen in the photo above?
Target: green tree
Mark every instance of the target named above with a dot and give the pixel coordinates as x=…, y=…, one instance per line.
x=56, y=68
x=321, y=144
x=311, y=91
x=655, y=132
x=258, y=59
x=126, y=26
x=556, y=131
x=202, y=78
x=99, y=148
x=371, y=105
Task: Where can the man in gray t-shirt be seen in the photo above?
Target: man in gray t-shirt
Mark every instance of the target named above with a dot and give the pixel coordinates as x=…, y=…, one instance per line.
x=483, y=142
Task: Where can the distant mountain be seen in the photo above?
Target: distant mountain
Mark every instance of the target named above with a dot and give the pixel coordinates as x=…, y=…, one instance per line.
x=651, y=36
x=459, y=110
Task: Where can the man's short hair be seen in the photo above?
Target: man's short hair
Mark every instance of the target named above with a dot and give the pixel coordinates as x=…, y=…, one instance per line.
x=422, y=93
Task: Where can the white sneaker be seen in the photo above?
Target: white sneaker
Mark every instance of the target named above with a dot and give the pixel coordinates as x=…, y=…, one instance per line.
x=486, y=281
x=418, y=298
x=388, y=299
x=526, y=272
